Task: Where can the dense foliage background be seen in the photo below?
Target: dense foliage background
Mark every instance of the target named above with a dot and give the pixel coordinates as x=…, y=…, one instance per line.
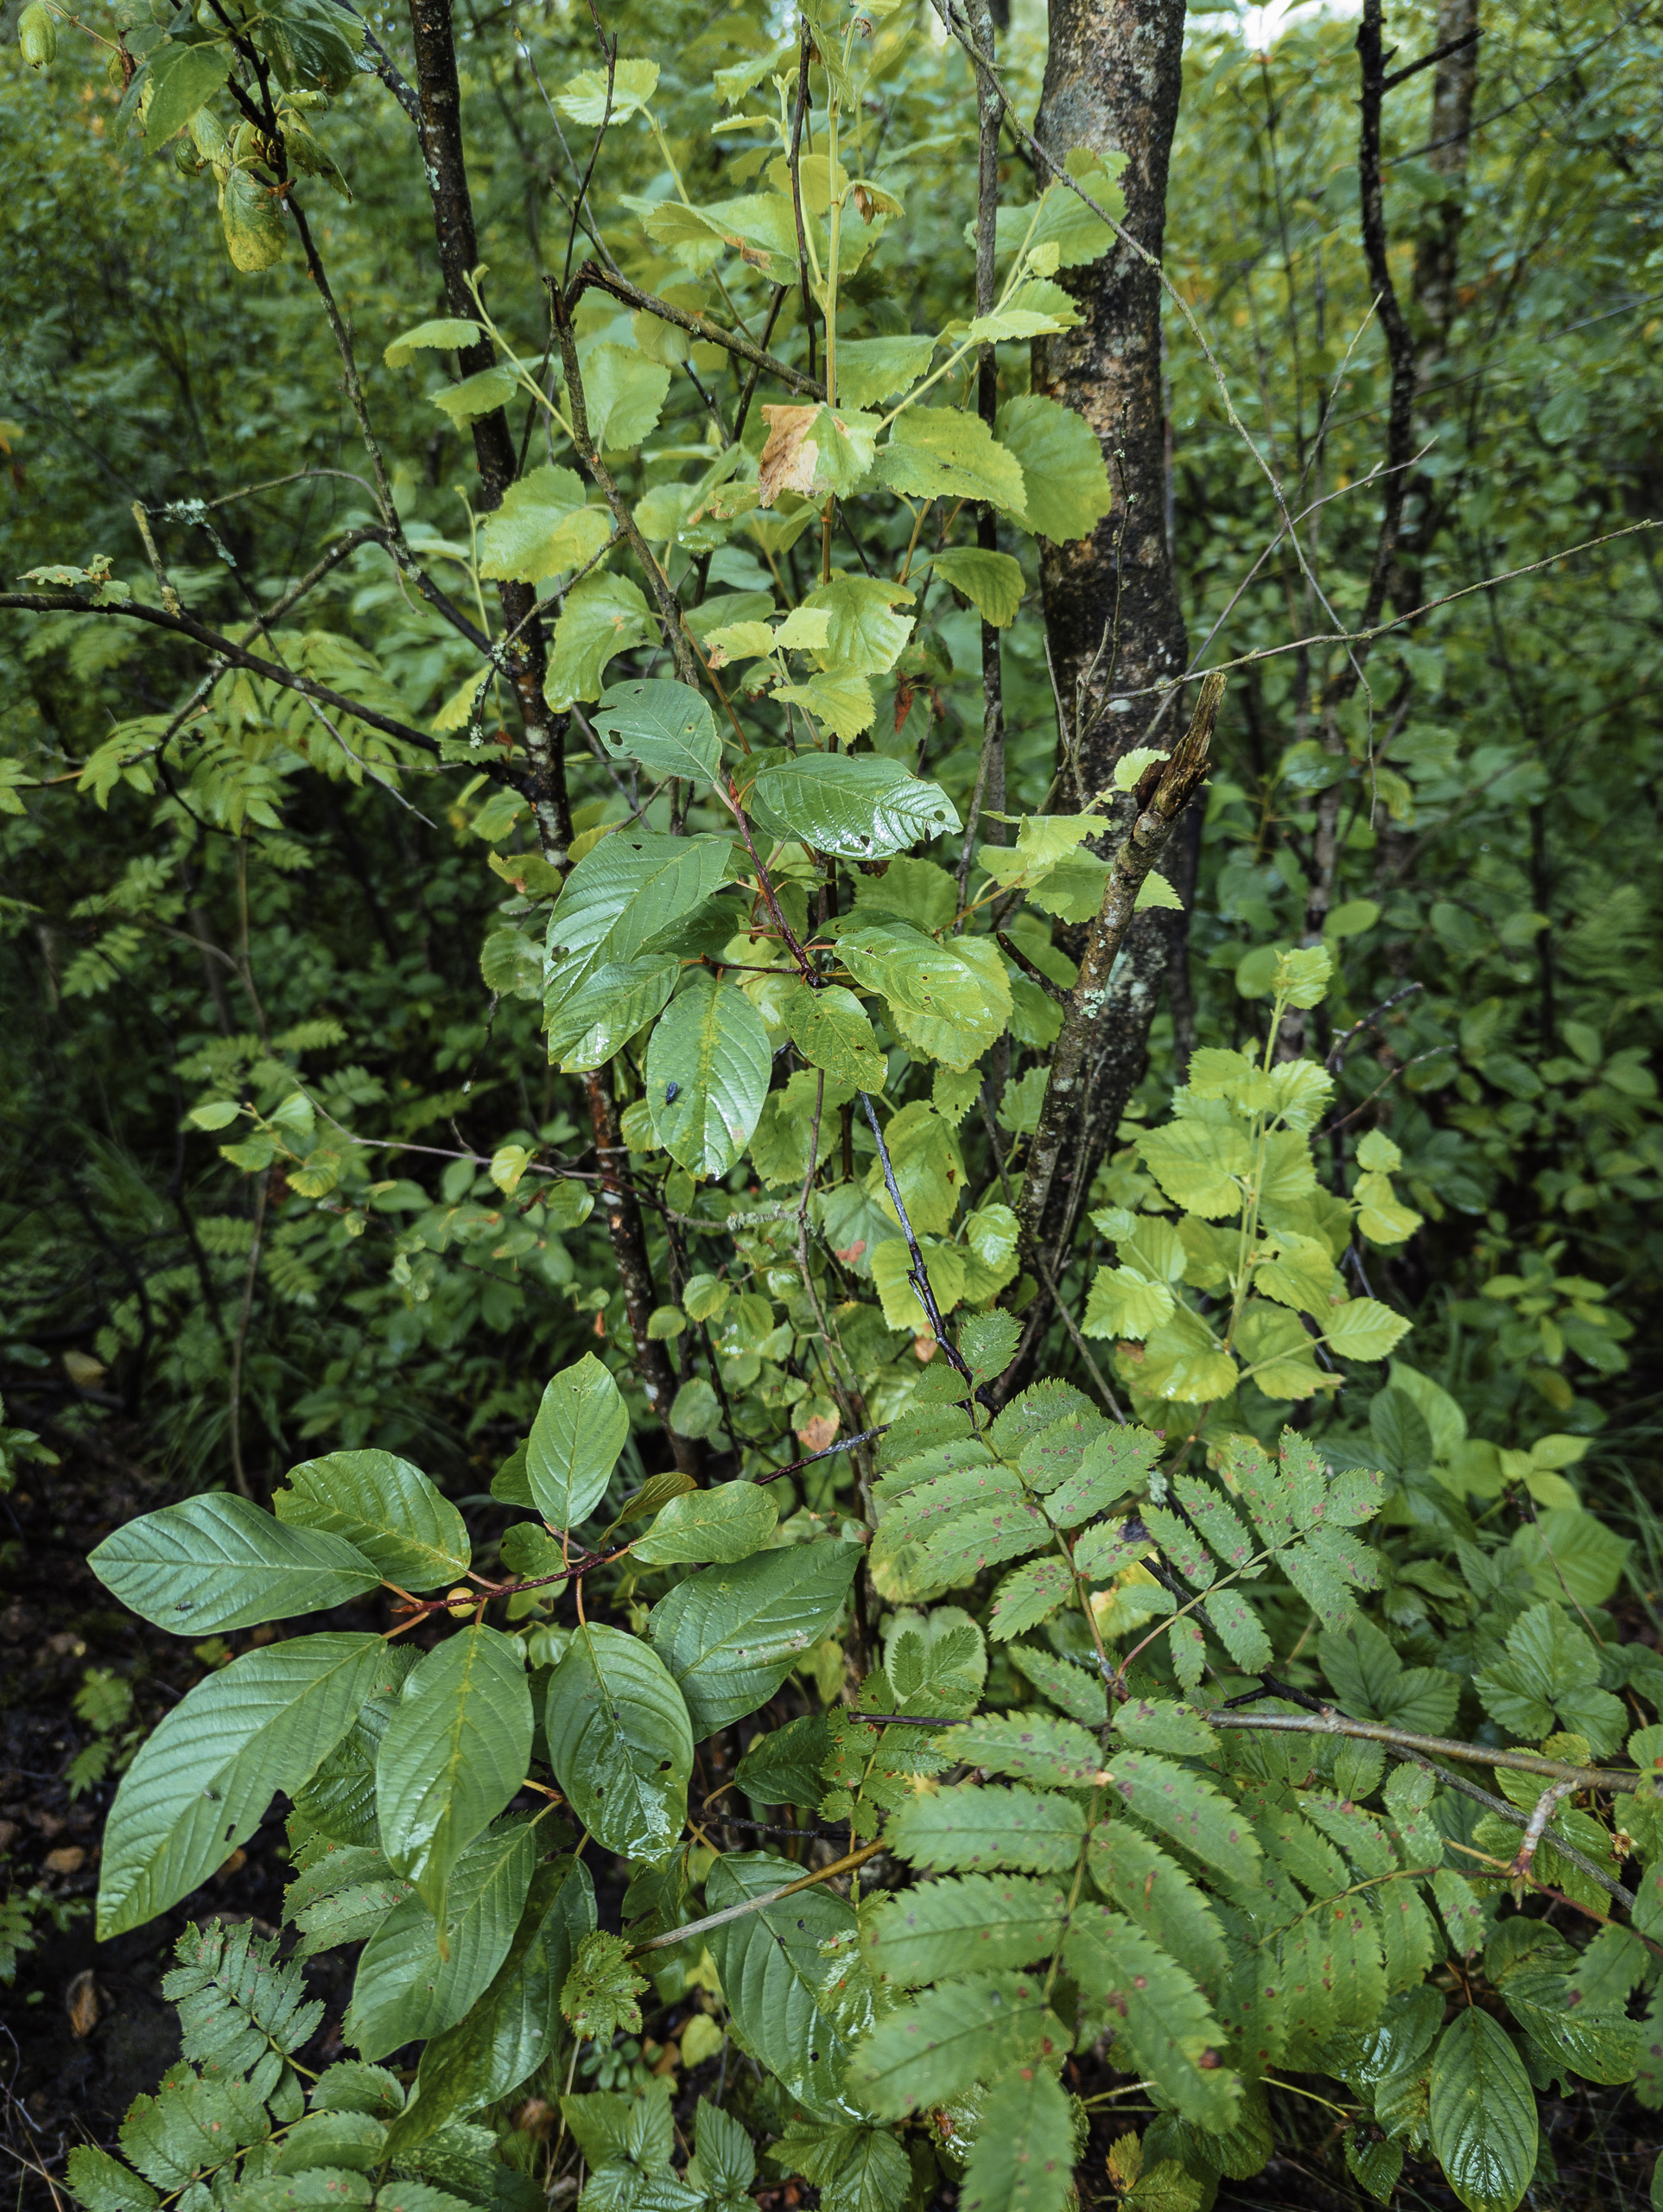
x=262, y=906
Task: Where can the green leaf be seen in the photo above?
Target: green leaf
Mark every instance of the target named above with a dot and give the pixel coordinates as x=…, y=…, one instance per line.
x=1022, y=2160
x=588, y=98
x=505, y=2034
x=447, y=333
x=220, y=1562
x=864, y=636
x=977, y=1924
x=727, y=1522
x=1062, y=219
x=181, y=79
x=622, y=898
x=1031, y=1595
x=1081, y=1694
x=624, y=393
x=954, y=1000
x=1364, y=1329
x=992, y=583
x=543, y=528
x=941, y=453
x=1185, y=1805
x=1066, y=475
x=709, y=1062
x=599, y=1995
x=1035, y=1747
x=781, y=1767
x=842, y=701
x=790, y=2003
x=730, y=1635
x=1483, y=2114
x=349, y=2142
x=410, y=1984
x=830, y=1027
x=402, y=1523
x=618, y=1740
x=238, y=2000
x=453, y=1755
x=930, y=2050
x=1157, y=1896
x=1173, y=2036
x=209, y=1769
x=727, y=2157
x=1116, y=1461
x=593, y=1023
x=858, y=804
x=339, y=1801
x=971, y=1826
x=871, y=369
x=855, y=2169
x=582, y=1425
x=103, y=2184
x=666, y=727
x=1568, y=1552
x=1550, y=1669
x=342, y=1898
x=604, y=615
x=193, y=2126
x=477, y=395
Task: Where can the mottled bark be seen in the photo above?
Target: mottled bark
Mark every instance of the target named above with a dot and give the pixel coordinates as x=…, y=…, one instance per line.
x=1052, y=1187
x=1113, y=77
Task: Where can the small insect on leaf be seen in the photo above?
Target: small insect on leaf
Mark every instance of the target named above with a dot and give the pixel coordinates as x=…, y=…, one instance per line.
x=670, y=1090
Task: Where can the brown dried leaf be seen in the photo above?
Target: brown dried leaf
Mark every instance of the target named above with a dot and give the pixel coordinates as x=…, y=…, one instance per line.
x=790, y=455
x=81, y=2003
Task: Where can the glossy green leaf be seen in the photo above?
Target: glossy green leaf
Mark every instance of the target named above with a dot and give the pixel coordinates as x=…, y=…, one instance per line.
x=708, y=1061
x=582, y=1425
x=208, y=1769
x=619, y=1741
x=453, y=1755
x=789, y=2002
x=402, y=1523
x=604, y=615
x=411, y=1982
x=858, y=804
x=729, y=1636
x=831, y=1029
x=220, y=1562
x=727, y=1522
x=1483, y=2114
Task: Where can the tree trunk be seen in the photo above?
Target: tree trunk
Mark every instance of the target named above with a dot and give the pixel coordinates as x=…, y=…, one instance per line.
x=1113, y=78
x=439, y=123
x=1438, y=253
x=440, y=126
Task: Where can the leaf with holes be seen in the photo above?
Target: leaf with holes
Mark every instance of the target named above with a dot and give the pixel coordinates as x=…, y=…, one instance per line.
x=666, y=727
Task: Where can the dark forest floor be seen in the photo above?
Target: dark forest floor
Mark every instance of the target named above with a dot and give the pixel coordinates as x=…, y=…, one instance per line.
x=84, y=2028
